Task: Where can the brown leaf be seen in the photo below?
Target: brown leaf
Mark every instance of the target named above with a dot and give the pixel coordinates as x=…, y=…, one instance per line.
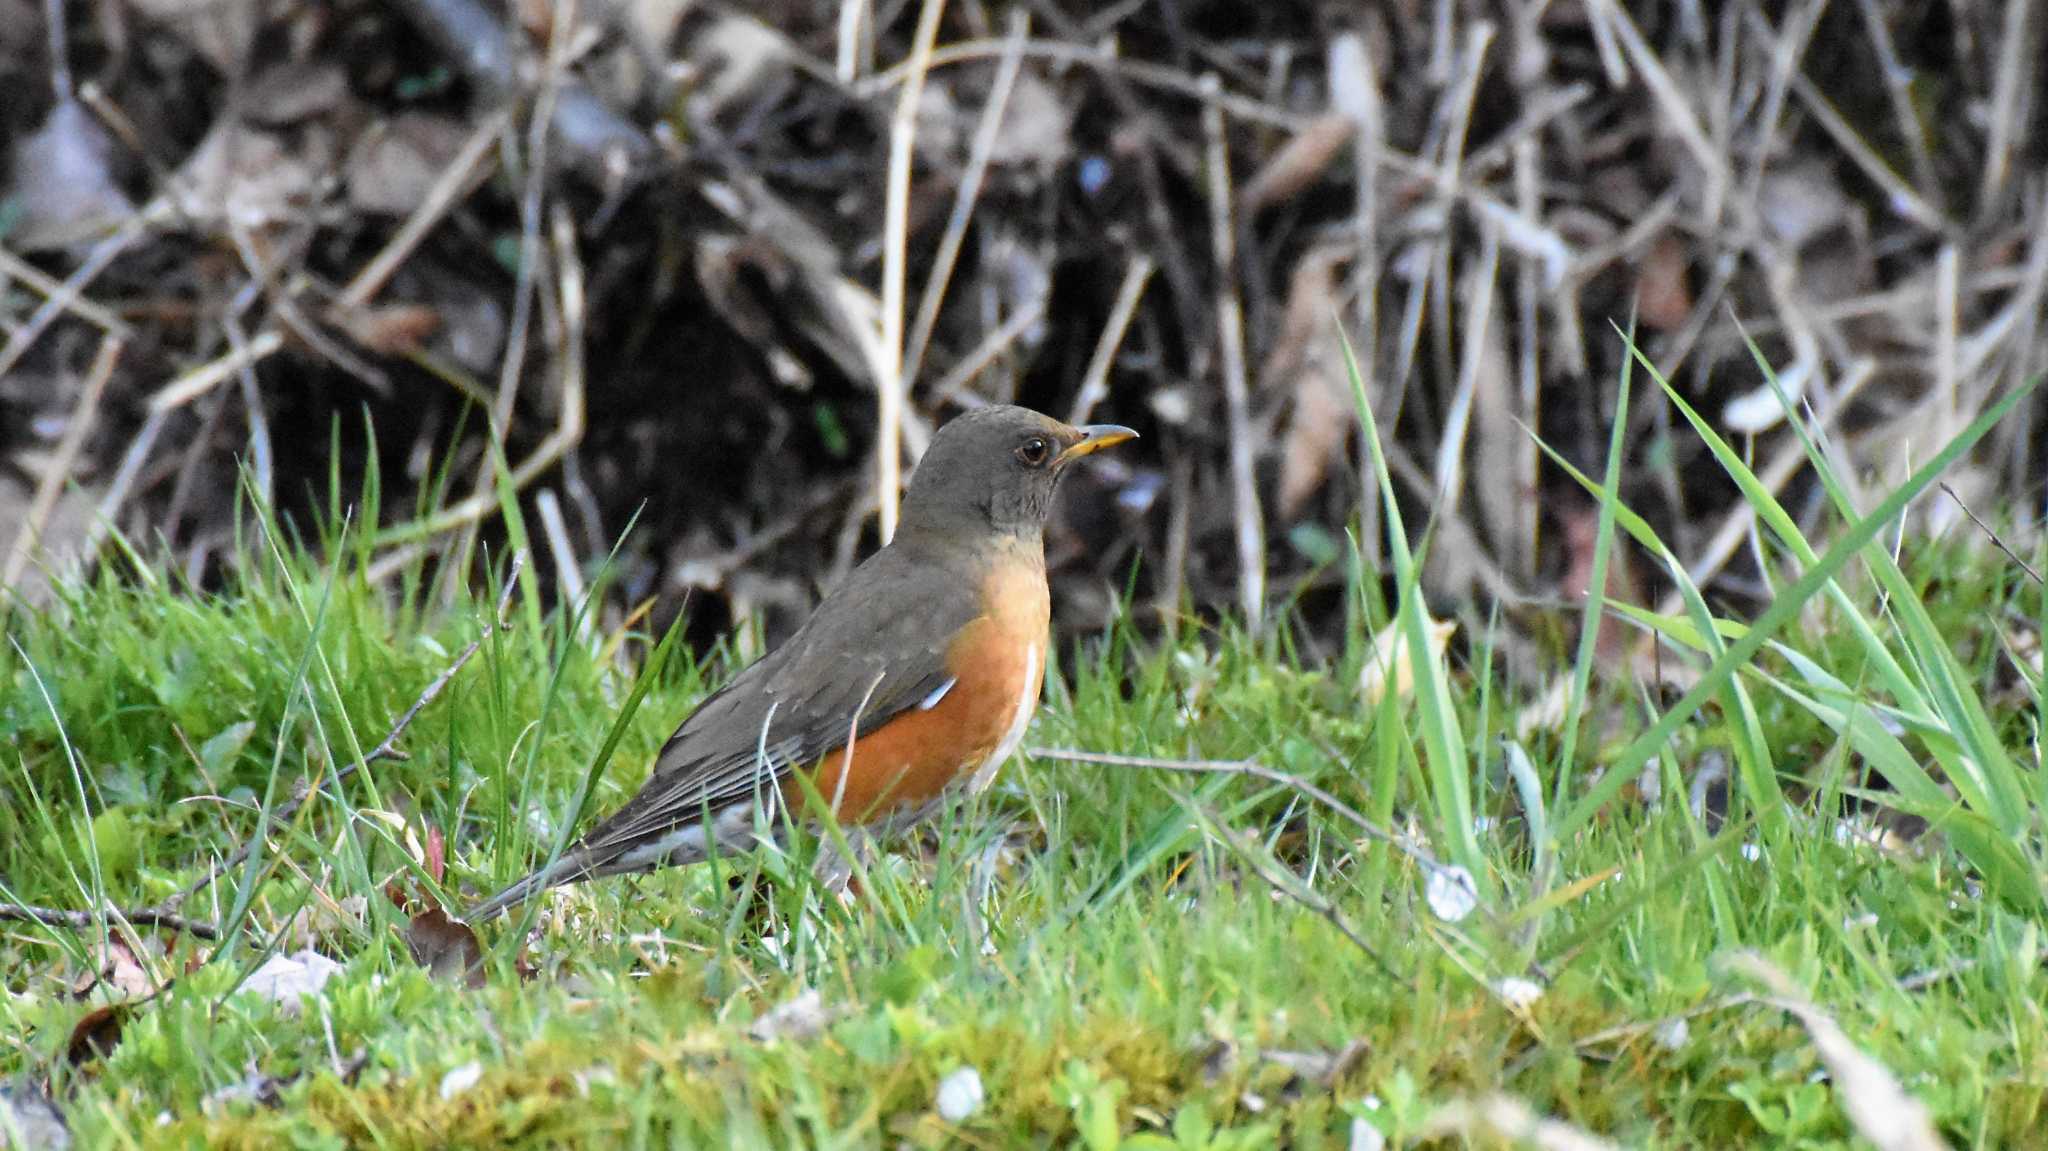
x=391, y=329
x=97, y=1033
x=446, y=948
x=437, y=852
x=245, y=175
x=1298, y=164
x=1307, y=362
x=1581, y=535
x=1663, y=298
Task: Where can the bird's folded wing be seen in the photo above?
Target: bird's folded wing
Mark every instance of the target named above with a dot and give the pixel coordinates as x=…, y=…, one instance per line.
x=847, y=672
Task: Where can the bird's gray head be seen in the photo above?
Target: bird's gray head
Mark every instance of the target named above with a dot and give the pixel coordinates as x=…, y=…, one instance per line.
x=996, y=468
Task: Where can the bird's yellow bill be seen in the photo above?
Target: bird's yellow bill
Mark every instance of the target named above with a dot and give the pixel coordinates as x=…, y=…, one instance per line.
x=1096, y=437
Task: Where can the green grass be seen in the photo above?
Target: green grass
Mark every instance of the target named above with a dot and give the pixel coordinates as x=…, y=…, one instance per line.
x=1154, y=932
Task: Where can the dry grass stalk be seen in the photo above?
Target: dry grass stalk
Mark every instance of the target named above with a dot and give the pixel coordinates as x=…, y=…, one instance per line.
x=1095, y=381
x=1251, y=531
x=890, y=385
x=985, y=135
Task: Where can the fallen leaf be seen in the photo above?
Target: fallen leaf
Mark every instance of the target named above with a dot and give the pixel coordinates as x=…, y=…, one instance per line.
x=97, y=1033
x=437, y=852
x=243, y=175
x=392, y=166
x=61, y=187
x=1451, y=893
x=1389, y=660
x=1035, y=126
x=446, y=948
x=390, y=329
x=1306, y=362
x=289, y=979
x=1502, y=490
x=736, y=56
x=1299, y=163
x=1876, y=1103
x=295, y=90
x=1663, y=297
x=1581, y=539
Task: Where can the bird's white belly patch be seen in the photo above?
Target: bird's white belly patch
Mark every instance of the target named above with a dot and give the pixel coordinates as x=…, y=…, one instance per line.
x=1027, y=699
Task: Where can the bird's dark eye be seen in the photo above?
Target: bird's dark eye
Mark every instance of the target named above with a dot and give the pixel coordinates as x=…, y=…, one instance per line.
x=1034, y=451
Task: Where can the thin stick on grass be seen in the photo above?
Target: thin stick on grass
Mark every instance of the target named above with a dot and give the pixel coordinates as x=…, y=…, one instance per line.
x=890, y=384
x=1251, y=528
x=91, y=920
x=51, y=485
x=964, y=197
x=1256, y=770
x=387, y=748
x=1240, y=843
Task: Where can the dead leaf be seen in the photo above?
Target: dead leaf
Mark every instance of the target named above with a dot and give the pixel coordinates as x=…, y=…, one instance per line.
x=1298, y=164
x=736, y=56
x=1507, y=1117
x=446, y=948
x=391, y=329
x=1307, y=363
x=392, y=166
x=289, y=979
x=97, y=1033
x=61, y=184
x=295, y=90
x=1388, y=661
x=1581, y=538
x=1035, y=126
x=1799, y=201
x=436, y=862
x=244, y=175
x=1663, y=297
x=1875, y=1102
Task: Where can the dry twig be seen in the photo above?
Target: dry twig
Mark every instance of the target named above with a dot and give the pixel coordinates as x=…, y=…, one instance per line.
x=91, y=920
x=1251, y=527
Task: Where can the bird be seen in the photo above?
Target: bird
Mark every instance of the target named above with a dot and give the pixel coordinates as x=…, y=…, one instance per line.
x=914, y=678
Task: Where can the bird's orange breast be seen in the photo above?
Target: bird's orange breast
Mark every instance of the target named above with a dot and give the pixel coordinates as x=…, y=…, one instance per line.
x=998, y=666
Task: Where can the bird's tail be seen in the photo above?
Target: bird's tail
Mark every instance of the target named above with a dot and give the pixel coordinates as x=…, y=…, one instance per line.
x=575, y=864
